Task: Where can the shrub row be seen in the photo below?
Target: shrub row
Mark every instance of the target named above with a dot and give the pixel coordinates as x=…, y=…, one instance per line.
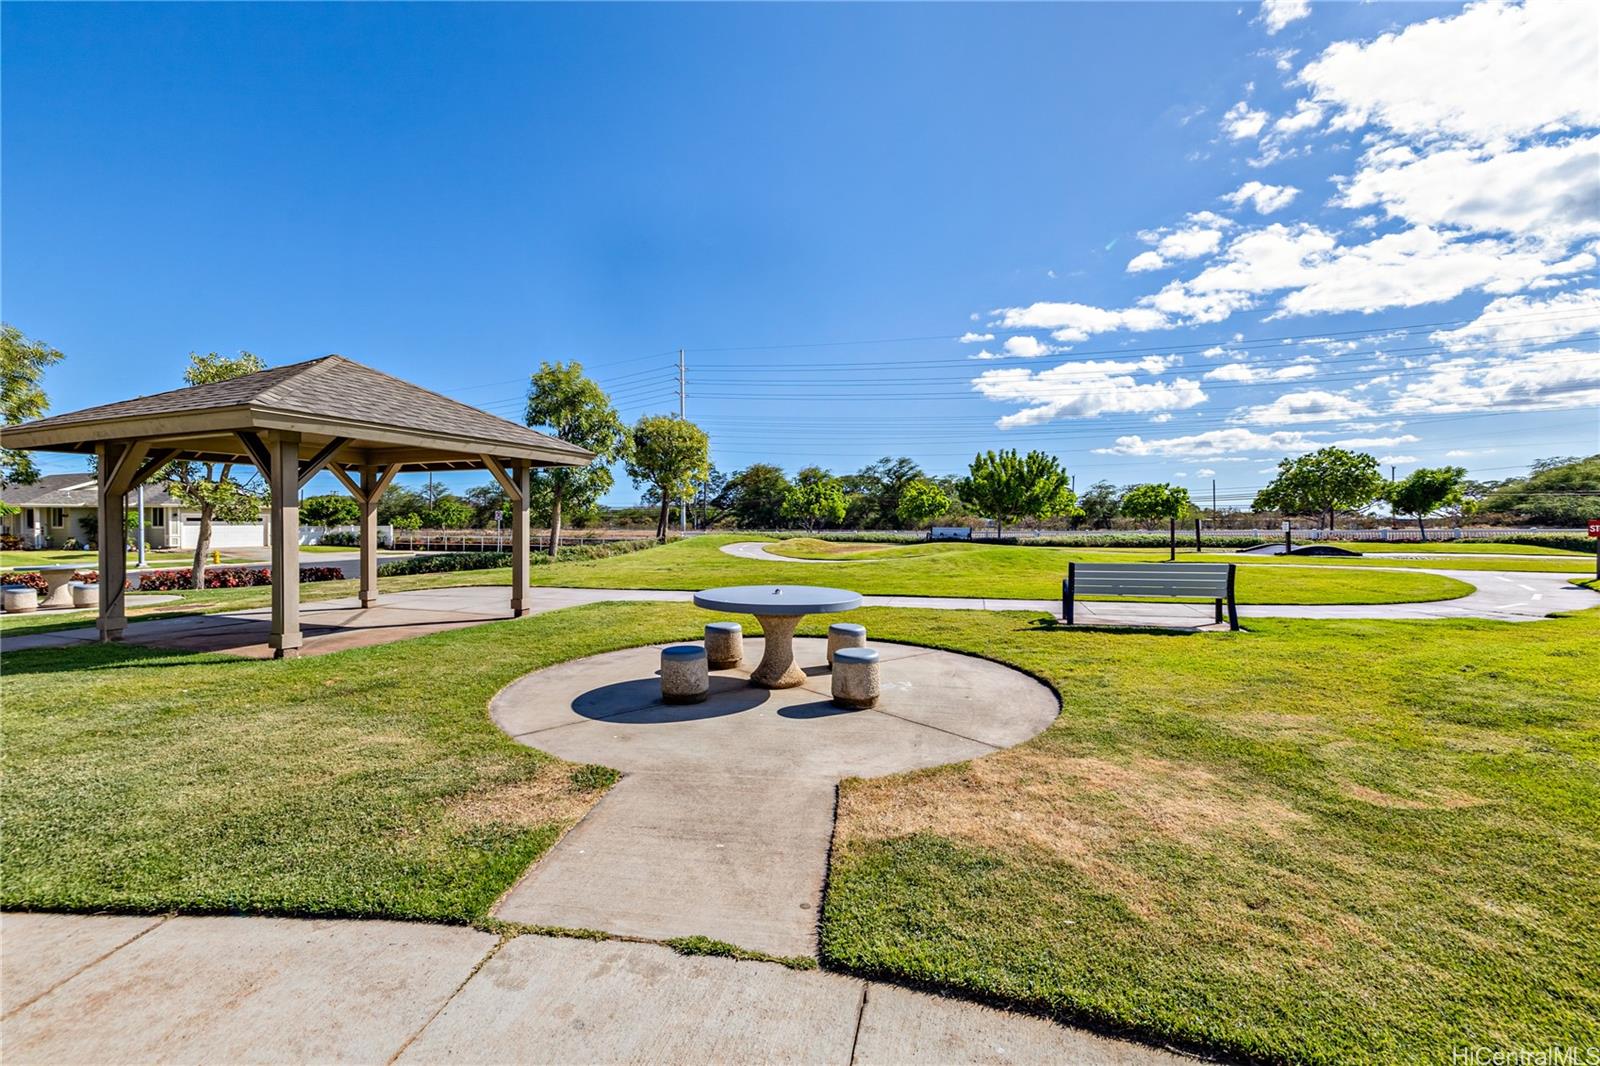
x=342, y=538
x=230, y=577
x=1567, y=541
x=448, y=562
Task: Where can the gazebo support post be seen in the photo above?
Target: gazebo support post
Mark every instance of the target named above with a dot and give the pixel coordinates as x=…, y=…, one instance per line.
x=367, y=492
x=521, y=543
x=112, y=617
x=369, y=535
x=284, y=451
x=514, y=479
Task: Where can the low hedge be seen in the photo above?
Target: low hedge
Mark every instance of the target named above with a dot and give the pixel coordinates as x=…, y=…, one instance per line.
x=449, y=562
x=229, y=577
x=1060, y=540
x=341, y=538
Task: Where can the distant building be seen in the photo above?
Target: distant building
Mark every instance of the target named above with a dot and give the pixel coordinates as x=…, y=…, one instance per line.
x=54, y=508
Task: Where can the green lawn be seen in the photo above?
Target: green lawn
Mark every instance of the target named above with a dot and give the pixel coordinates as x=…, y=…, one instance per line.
x=1320, y=842
x=1316, y=841
x=10, y=560
x=965, y=570
x=807, y=548
x=1464, y=547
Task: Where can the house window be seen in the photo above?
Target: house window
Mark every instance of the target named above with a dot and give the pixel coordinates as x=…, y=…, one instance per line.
x=56, y=517
x=156, y=516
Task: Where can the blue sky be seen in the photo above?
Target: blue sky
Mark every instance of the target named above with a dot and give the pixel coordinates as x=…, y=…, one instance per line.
x=1181, y=240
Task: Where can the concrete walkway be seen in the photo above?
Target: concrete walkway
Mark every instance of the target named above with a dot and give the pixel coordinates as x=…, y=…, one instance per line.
x=721, y=825
x=104, y=990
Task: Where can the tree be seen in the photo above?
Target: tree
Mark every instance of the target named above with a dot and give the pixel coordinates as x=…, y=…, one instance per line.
x=814, y=500
x=1426, y=490
x=1150, y=502
x=1100, y=505
x=1557, y=492
x=448, y=512
x=1322, y=482
x=922, y=501
x=22, y=397
x=332, y=509
x=400, y=502
x=671, y=455
x=754, y=496
x=487, y=502
x=1003, y=487
x=570, y=406
x=873, y=493
x=211, y=488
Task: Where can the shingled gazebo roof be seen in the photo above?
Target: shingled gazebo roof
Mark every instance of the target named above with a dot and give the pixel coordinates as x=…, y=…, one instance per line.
x=381, y=418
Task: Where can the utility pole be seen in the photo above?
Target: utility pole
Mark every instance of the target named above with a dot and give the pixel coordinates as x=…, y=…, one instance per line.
x=683, y=504
x=1213, y=501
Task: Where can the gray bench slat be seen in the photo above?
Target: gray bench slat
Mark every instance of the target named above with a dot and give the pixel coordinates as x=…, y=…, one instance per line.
x=1212, y=581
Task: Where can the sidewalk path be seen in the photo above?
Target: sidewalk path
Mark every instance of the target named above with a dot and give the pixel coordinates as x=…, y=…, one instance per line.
x=104, y=990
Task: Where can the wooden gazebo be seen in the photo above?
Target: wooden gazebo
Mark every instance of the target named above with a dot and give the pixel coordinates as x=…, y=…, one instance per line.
x=290, y=422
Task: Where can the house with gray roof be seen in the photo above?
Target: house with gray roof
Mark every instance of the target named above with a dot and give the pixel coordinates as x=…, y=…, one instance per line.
x=59, y=511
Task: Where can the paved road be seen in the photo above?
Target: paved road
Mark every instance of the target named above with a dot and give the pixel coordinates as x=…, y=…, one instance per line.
x=104, y=990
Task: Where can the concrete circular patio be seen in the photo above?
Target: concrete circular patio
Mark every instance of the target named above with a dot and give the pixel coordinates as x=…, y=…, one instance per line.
x=722, y=822
x=936, y=707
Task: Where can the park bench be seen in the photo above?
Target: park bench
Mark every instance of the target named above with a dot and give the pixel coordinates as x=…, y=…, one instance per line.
x=1212, y=581
x=950, y=533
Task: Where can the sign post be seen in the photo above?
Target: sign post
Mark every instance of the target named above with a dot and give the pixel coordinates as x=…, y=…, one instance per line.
x=1287, y=545
x=1594, y=531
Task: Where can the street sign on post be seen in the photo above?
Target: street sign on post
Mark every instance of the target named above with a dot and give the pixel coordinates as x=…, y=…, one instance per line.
x=1594, y=531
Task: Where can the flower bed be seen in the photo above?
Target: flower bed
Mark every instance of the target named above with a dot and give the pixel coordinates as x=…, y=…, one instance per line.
x=31, y=580
x=230, y=577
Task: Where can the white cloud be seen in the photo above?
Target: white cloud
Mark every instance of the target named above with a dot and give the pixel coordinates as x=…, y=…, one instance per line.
x=1087, y=389
x=1212, y=444
x=1549, y=190
x=1073, y=322
x=1377, y=442
x=1494, y=71
x=1535, y=381
x=1306, y=115
x=1025, y=347
x=1205, y=471
x=1265, y=198
x=1244, y=372
x=1241, y=121
x=984, y=353
x=1146, y=261
x=1396, y=460
x=1515, y=321
x=1312, y=405
x=1276, y=14
x=1421, y=266
x=975, y=338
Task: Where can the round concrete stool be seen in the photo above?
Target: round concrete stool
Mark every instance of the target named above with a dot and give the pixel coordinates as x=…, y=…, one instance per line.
x=845, y=635
x=855, y=677
x=683, y=674
x=85, y=594
x=724, y=645
x=19, y=599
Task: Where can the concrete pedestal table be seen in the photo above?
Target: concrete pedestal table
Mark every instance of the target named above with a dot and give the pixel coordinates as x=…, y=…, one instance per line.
x=778, y=608
x=58, y=581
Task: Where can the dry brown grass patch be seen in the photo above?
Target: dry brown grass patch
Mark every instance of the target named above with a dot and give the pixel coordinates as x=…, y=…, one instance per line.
x=1080, y=810
x=550, y=797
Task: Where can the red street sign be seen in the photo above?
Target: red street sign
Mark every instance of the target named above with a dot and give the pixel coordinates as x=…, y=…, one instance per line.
x=1594, y=527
